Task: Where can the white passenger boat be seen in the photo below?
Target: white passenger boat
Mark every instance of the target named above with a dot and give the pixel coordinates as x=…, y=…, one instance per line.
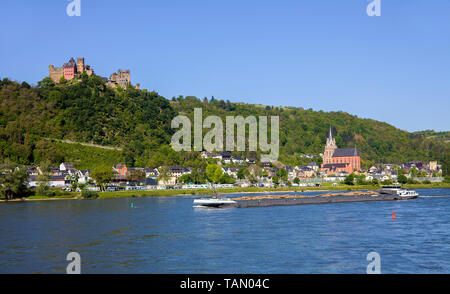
x=213, y=202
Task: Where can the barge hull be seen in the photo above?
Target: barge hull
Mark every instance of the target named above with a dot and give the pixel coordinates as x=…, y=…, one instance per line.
x=316, y=200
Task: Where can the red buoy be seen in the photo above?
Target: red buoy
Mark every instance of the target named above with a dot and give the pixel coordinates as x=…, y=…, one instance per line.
x=393, y=214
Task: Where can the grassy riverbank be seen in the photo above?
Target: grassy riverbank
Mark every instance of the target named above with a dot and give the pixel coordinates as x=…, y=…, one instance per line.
x=169, y=193
x=329, y=187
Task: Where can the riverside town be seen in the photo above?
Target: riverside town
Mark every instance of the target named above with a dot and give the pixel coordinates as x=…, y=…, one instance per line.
x=238, y=137
x=137, y=165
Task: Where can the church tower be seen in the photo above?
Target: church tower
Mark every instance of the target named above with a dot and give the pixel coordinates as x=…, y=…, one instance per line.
x=329, y=148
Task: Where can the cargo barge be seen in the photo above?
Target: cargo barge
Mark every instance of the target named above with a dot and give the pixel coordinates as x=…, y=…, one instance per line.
x=385, y=194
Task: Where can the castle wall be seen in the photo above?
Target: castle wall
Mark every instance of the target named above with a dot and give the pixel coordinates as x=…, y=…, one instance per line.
x=55, y=73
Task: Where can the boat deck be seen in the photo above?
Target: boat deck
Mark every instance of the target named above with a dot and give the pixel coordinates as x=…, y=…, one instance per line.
x=285, y=200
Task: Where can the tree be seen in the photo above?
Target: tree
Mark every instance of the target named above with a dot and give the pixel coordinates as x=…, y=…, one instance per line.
x=402, y=179
x=43, y=178
x=47, y=82
x=275, y=180
x=227, y=179
x=255, y=170
x=282, y=174
x=386, y=182
x=413, y=172
x=103, y=175
x=135, y=175
x=12, y=181
x=349, y=180
x=164, y=174
x=213, y=173
x=411, y=181
x=253, y=179
x=297, y=180
x=45, y=151
x=62, y=80
x=243, y=173
x=361, y=180
x=195, y=177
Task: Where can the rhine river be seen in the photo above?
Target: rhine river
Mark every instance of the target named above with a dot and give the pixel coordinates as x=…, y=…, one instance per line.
x=167, y=235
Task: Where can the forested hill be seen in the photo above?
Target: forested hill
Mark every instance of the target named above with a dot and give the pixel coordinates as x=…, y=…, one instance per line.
x=305, y=132
x=139, y=122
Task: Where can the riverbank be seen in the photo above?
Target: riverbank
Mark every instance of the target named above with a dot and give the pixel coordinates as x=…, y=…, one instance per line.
x=75, y=196
x=237, y=190
x=252, y=190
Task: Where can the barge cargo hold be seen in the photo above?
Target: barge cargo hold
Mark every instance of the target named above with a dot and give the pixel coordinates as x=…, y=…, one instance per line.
x=285, y=200
x=317, y=200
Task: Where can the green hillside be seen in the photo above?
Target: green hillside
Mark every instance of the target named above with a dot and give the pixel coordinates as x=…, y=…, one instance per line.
x=305, y=132
x=432, y=134
x=139, y=122
x=87, y=157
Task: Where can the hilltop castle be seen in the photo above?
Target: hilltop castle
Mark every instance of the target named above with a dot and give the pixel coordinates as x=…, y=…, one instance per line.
x=336, y=160
x=72, y=69
x=122, y=78
x=69, y=70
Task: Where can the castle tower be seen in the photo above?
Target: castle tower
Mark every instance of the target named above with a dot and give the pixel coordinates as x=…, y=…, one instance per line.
x=70, y=69
x=329, y=148
x=80, y=65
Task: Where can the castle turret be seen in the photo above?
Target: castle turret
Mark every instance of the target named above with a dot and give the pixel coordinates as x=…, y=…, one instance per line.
x=80, y=65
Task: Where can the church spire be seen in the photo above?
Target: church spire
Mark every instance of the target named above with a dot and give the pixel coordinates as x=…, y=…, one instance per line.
x=330, y=136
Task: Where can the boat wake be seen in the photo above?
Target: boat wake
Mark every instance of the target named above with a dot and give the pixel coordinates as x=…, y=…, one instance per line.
x=437, y=196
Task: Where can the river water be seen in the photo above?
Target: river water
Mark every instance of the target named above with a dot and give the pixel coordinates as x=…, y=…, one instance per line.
x=167, y=235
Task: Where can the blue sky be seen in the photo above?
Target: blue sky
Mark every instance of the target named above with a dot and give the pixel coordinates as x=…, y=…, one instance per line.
x=321, y=54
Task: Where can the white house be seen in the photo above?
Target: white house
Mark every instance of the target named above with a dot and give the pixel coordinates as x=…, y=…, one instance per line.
x=151, y=172
x=205, y=154
x=83, y=176
x=57, y=181
x=231, y=171
x=67, y=167
x=237, y=160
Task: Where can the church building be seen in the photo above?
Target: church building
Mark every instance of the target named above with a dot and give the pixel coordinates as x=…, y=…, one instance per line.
x=339, y=160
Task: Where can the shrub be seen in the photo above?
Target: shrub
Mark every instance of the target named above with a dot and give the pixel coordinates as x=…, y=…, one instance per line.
x=386, y=182
x=349, y=180
x=411, y=181
x=88, y=194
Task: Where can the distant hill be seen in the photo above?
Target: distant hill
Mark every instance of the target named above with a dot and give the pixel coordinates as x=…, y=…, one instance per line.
x=305, y=131
x=138, y=121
